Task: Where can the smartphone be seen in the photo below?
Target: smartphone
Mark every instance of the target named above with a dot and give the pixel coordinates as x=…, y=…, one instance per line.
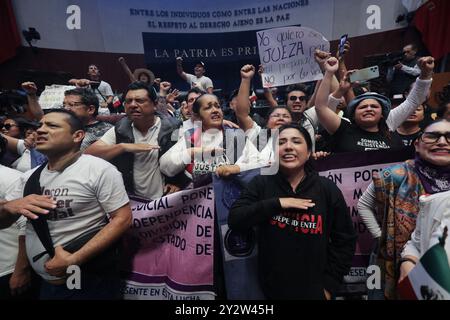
x=365, y=74
x=342, y=43
x=397, y=99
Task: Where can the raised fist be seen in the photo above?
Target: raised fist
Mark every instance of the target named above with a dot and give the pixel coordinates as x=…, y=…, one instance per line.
x=247, y=71
x=331, y=65
x=426, y=65
x=29, y=87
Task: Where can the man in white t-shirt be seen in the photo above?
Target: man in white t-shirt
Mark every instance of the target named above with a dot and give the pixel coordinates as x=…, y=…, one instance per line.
x=80, y=193
x=198, y=79
x=15, y=275
x=101, y=88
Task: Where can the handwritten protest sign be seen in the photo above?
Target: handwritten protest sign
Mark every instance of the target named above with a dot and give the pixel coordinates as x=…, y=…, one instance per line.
x=53, y=96
x=168, y=253
x=287, y=55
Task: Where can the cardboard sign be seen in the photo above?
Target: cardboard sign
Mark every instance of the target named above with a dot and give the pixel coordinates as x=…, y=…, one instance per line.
x=287, y=55
x=53, y=96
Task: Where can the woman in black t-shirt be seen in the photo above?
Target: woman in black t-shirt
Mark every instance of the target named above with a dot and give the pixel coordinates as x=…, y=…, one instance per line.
x=372, y=120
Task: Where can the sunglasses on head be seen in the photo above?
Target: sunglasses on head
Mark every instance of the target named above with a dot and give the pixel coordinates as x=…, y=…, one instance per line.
x=7, y=126
x=295, y=98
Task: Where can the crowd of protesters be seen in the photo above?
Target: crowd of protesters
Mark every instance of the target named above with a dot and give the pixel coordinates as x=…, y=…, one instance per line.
x=67, y=173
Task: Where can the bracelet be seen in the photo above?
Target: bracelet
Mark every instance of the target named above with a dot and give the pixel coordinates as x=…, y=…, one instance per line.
x=406, y=259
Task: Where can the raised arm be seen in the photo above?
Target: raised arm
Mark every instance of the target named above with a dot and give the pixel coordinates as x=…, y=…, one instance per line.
x=267, y=91
x=180, y=71
x=127, y=70
x=269, y=97
x=349, y=95
x=312, y=101
x=412, y=71
x=170, y=99
x=321, y=57
x=243, y=104
x=33, y=103
x=80, y=82
x=416, y=97
x=327, y=117
x=162, y=104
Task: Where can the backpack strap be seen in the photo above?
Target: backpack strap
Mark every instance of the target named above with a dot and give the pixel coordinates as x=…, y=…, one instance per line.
x=40, y=226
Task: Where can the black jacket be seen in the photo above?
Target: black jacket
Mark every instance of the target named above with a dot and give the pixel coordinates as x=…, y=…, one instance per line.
x=301, y=252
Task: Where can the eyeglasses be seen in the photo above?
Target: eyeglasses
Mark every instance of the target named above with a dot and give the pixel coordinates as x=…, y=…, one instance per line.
x=433, y=137
x=7, y=126
x=72, y=105
x=295, y=98
x=280, y=115
x=138, y=101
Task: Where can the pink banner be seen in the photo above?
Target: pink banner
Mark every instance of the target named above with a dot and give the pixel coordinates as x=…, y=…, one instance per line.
x=168, y=251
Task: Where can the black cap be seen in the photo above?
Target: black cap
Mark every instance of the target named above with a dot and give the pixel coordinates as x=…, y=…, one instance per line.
x=199, y=62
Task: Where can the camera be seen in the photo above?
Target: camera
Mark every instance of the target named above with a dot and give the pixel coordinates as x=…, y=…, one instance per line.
x=392, y=58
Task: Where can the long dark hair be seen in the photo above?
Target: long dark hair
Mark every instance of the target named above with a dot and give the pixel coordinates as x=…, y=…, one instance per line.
x=307, y=166
x=384, y=129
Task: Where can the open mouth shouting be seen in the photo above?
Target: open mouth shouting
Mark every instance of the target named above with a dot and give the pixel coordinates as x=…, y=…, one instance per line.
x=216, y=117
x=288, y=157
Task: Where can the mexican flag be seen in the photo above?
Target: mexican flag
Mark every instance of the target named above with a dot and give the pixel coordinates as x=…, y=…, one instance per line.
x=430, y=278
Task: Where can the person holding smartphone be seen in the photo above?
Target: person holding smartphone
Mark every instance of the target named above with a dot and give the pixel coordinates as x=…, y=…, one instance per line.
x=370, y=113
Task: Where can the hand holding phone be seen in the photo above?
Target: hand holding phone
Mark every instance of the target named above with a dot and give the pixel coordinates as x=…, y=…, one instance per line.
x=365, y=74
x=342, y=44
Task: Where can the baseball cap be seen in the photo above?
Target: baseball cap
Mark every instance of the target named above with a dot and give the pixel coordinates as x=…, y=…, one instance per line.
x=198, y=62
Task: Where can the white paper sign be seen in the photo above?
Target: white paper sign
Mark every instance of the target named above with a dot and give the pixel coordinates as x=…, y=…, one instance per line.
x=287, y=55
x=53, y=96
